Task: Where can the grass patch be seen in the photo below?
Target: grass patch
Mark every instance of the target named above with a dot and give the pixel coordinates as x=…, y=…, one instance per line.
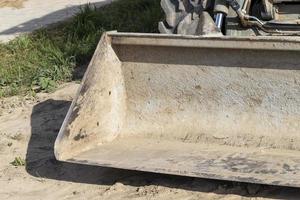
x=42, y=60
x=18, y=161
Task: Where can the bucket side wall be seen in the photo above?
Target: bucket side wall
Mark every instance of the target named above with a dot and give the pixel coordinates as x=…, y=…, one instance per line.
x=97, y=113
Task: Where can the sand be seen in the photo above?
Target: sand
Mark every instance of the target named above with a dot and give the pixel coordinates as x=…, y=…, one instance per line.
x=12, y=3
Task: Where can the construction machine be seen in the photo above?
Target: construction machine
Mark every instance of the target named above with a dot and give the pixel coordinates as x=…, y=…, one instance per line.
x=216, y=95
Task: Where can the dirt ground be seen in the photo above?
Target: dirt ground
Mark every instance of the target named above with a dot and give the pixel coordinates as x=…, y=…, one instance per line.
x=28, y=128
x=12, y=3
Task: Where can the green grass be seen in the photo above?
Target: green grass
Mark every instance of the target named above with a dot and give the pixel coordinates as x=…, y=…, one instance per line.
x=18, y=161
x=47, y=57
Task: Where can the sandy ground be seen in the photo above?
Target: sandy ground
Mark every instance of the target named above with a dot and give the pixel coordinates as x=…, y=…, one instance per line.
x=28, y=128
x=23, y=16
x=12, y=3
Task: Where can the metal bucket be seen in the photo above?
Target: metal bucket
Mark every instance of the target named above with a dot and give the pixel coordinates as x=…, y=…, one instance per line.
x=212, y=107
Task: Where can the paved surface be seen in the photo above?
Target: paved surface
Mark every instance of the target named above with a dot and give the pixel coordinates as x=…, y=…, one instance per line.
x=33, y=14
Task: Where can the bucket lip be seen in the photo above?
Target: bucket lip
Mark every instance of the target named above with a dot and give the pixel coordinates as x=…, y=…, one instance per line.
x=254, y=165
x=226, y=42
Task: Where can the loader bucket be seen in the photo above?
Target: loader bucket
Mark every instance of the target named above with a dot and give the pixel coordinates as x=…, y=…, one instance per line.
x=211, y=107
